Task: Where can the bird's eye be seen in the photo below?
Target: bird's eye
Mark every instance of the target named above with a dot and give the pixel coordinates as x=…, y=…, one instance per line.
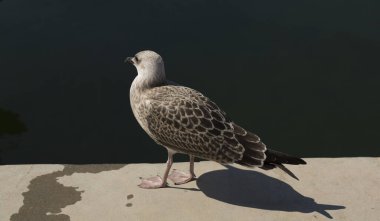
x=137, y=59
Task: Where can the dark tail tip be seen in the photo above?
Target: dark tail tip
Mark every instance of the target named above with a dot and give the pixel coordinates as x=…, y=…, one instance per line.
x=297, y=161
x=286, y=170
x=278, y=158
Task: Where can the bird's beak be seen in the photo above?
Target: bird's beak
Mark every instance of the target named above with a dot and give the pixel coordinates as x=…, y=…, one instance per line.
x=128, y=60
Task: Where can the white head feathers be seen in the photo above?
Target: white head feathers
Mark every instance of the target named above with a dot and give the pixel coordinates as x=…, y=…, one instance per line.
x=150, y=68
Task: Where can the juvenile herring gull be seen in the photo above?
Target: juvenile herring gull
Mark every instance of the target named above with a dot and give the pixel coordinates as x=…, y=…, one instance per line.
x=183, y=120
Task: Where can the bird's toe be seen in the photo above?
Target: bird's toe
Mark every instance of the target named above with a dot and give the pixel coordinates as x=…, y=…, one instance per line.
x=179, y=177
x=152, y=183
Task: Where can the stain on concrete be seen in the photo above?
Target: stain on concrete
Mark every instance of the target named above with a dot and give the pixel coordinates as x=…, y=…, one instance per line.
x=130, y=196
x=46, y=197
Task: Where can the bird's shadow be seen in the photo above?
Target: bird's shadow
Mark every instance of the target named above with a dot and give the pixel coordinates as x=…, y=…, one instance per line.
x=255, y=190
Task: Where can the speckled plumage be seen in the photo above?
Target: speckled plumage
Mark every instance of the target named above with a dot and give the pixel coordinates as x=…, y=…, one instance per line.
x=186, y=121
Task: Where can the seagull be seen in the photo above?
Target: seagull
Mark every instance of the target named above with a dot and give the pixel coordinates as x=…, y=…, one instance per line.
x=185, y=121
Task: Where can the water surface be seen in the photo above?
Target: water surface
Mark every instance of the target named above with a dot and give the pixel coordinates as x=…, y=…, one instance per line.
x=303, y=75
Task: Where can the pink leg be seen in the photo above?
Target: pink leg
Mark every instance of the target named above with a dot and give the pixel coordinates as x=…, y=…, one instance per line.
x=156, y=181
x=180, y=177
x=192, y=166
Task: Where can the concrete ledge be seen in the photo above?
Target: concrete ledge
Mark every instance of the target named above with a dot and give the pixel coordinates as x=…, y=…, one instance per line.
x=338, y=188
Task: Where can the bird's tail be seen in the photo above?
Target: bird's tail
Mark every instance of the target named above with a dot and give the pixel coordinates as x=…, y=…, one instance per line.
x=277, y=159
x=257, y=154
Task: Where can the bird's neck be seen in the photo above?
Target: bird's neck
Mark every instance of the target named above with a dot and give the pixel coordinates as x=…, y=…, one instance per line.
x=148, y=79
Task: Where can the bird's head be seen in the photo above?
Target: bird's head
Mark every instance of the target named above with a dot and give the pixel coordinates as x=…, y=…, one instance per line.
x=148, y=64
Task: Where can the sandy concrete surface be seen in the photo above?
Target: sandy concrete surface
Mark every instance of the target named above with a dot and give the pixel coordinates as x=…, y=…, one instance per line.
x=329, y=188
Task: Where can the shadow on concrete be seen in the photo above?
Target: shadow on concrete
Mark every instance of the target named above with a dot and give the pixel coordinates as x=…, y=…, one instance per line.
x=253, y=189
x=183, y=188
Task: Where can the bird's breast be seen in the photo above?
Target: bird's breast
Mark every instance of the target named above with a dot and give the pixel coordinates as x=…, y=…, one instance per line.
x=140, y=108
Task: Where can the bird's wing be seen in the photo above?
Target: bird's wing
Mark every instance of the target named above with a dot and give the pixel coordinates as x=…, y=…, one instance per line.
x=183, y=119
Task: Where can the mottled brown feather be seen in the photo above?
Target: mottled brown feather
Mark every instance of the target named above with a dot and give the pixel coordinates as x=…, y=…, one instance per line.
x=186, y=121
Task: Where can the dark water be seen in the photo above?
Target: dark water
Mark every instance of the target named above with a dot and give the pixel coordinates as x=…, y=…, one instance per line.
x=304, y=75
